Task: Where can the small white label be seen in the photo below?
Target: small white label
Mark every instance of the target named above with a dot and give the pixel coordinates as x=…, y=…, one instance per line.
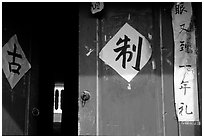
x=97, y=7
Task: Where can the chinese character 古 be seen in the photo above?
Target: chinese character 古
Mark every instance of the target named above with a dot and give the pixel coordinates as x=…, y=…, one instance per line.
x=13, y=63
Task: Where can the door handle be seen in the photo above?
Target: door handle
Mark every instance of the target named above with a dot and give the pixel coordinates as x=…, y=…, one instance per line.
x=35, y=111
x=85, y=96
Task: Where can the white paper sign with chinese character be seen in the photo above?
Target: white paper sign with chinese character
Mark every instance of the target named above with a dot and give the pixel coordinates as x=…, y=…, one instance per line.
x=127, y=52
x=14, y=62
x=185, y=69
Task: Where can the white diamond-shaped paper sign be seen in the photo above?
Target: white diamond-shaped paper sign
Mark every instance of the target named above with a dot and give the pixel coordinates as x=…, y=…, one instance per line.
x=127, y=52
x=14, y=62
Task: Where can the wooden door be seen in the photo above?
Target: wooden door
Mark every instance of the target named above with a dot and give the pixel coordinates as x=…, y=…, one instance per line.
x=117, y=107
x=49, y=42
x=133, y=108
x=145, y=105
x=87, y=70
x=15, y=100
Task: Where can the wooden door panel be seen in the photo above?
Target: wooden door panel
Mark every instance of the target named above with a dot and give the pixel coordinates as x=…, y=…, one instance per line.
x=124, y=110
x=144, y=106
x=14, y=101
x=87, y=71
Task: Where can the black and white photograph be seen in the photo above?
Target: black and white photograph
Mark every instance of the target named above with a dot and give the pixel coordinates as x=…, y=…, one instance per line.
x=84, y=68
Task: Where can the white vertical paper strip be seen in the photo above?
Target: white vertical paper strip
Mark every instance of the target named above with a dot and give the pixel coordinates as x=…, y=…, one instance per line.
x=185, y=69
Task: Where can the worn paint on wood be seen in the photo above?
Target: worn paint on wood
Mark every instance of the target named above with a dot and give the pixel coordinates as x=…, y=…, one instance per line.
x=128, y=109
x=14, y=101
x=87, y=70
x=171, y=124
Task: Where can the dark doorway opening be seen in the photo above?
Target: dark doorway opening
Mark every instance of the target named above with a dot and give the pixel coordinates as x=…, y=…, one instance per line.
x=58, y=33
x=51, y=45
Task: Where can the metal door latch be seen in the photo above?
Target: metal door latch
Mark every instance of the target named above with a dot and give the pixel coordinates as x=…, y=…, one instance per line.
x=85, y=96
x=35, y=111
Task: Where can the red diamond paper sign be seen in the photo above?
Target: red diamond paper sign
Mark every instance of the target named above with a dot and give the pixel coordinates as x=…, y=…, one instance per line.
x=127, y=52
x=14, y=62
